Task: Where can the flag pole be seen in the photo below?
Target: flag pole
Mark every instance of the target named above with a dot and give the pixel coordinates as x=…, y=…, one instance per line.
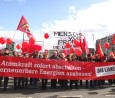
x=14, y=35
x=107, y=49
x=23, y=38
x=94, y=43
x=113, y=43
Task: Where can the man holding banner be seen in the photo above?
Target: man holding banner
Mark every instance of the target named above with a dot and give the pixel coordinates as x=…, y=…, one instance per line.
x=54, y=81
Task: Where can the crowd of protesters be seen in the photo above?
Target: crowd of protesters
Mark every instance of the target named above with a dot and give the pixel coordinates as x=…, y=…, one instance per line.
x=21, y=82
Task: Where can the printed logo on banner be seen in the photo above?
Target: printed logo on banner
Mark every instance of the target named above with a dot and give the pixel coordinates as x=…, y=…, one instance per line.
x=105, y=70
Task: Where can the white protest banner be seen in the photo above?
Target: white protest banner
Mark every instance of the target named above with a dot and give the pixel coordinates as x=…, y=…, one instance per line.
x=58, y=39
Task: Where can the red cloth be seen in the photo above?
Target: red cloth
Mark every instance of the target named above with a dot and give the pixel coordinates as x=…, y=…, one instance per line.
x=23, y=25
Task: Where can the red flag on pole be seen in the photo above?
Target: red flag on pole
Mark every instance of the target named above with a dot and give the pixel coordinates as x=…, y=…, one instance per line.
x=23, y=25
x=81, y=41
x=113, y=42
x=85, y=46
x=99, y=51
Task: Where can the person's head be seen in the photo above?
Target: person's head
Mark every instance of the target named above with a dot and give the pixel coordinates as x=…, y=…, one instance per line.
x=14, y=53
x=45, y=55
x=31, y=56
x=72, y=57
x=19, y=54
x=40, y=56
x=1, y=52
x=89, y=55
x=6, y=51
x=62, y=56
x=37, y=52
x=34, y=54
x=105, y=55
x=68, y=57
x=96, y=56
x=26, y=55
x=85, y=56
x=111, y=56
x=55, y=53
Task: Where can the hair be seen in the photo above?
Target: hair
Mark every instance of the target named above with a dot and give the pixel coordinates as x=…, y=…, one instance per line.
x=62, y=54
x=71, y=56
x=45, y=53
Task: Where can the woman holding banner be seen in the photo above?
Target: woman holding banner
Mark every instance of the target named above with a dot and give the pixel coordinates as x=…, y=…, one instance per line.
x=73, y=58
x=63, y=83
x=55, y=56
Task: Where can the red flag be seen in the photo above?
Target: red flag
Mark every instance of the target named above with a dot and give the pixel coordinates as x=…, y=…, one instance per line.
x=99, y=51
x=65, y=52
x=113, y=42
x=81, y=42
x=23, y=25
x=85, y=46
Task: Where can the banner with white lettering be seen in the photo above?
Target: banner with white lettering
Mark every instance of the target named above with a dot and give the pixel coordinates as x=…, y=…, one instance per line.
x=55, y=69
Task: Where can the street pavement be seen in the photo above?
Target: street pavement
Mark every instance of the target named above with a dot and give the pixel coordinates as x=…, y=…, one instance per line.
x=98, y=92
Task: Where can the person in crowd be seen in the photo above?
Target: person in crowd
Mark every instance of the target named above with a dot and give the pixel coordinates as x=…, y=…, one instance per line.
x=104, y=60
x=63, y=82
x=73, y=58
x=86, y=58
x=1, y=52
x=1, y=78
x=34, y=81
x=98, y=59
x=31, y=79
x=6, y=53
x=14, y=53
x=54, y=81
x=89, y=59
x=26, y=55
x=79, y=58
x=39, y=55
x=19, y=55
x=111, y=59
x=68, y=57
x=44, y=81
x=23, y=82
x=15, y=78
x=20, y=79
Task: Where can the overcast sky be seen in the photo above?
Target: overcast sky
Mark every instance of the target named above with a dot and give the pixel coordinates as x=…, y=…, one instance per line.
x=87, y=16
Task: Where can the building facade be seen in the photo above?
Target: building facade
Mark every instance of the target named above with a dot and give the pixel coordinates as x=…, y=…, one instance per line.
x=108, y=39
